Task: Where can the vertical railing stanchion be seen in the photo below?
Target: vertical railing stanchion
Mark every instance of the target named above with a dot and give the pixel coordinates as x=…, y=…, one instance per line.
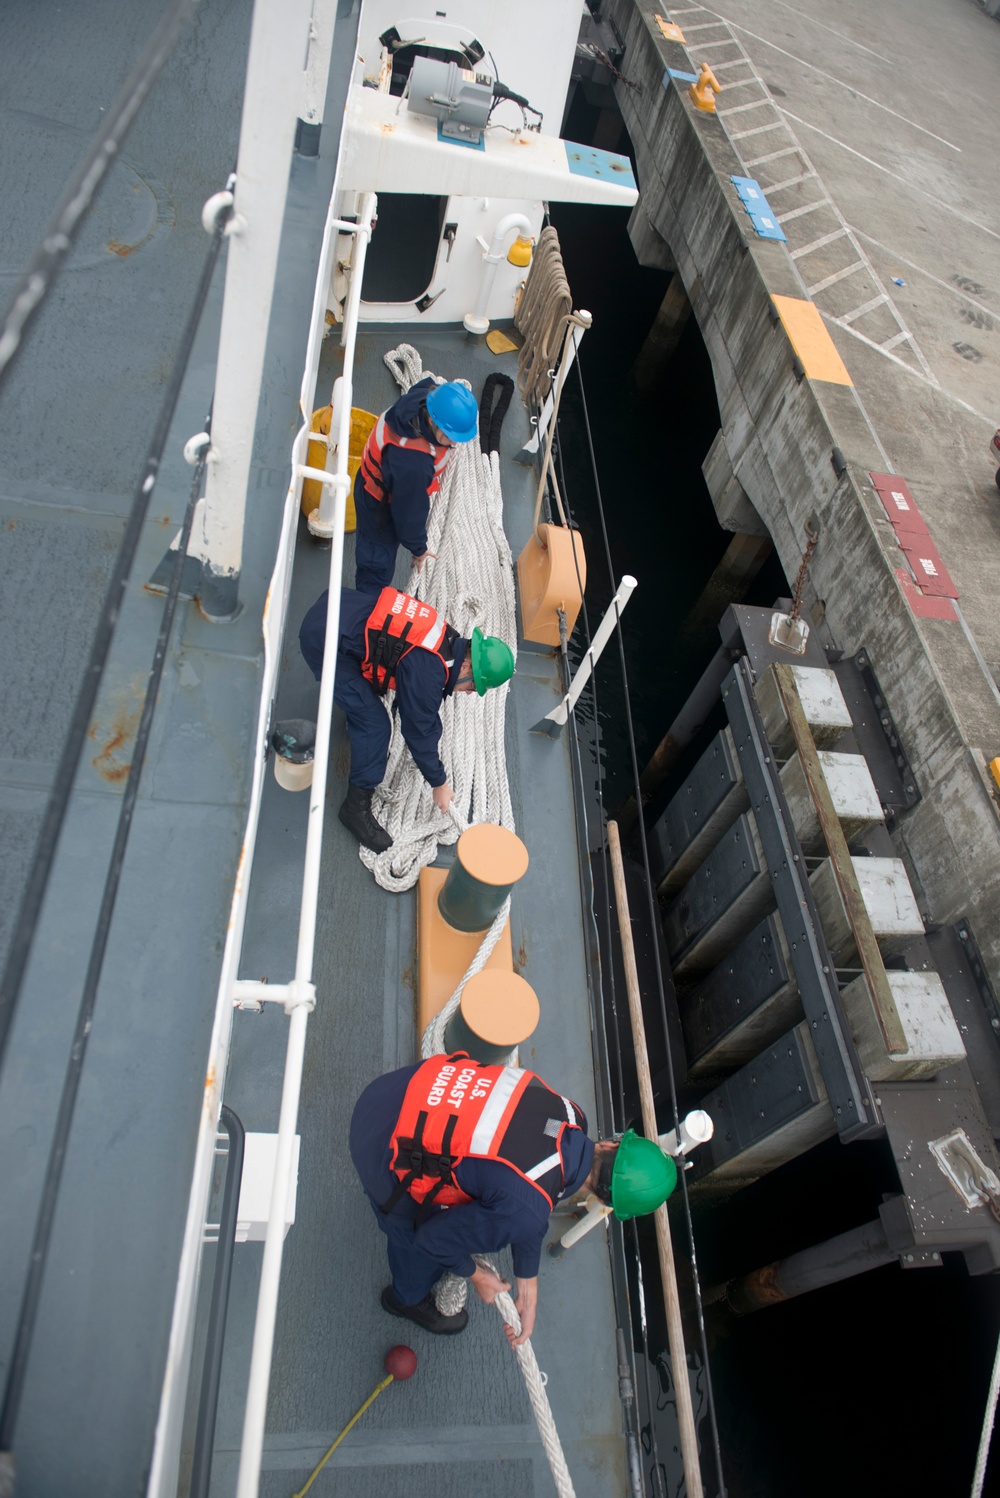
x=554, y=722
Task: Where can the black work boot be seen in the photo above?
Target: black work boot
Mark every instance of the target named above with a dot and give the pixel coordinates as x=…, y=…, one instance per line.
x=356, y=815
x=425, y=1313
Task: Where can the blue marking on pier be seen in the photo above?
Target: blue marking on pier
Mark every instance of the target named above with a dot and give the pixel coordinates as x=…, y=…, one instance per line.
x=608, y=166
x=678, y=76
x=766, y=225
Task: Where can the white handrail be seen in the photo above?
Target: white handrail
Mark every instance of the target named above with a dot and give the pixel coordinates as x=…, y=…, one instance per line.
x=301, y=996
x=164, y=1466
x=332, y=493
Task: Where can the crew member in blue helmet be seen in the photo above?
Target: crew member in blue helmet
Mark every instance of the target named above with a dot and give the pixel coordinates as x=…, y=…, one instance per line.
x=458, y=1159
x=400, y=473
x=389, y=641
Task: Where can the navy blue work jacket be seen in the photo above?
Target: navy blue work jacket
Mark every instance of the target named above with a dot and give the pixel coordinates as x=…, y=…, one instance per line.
x=408, y=474
x=506, y=1210
x=420, y=683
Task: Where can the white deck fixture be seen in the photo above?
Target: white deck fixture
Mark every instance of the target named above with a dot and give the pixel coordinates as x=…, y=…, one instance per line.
x=255, y=1188
x=317, y=71
x=596, y=1212
x=477, y=320
x=271, y=101
x=387, y=149
x=696, y=1128
x=336, y=485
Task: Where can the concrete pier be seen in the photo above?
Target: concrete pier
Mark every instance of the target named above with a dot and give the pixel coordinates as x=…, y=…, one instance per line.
x=891, y=249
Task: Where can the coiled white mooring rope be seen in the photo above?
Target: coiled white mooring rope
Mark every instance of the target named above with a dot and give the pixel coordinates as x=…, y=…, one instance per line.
x=471, y=582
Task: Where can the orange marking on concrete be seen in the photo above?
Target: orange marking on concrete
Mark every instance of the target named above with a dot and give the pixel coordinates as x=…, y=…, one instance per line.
x=810, y=339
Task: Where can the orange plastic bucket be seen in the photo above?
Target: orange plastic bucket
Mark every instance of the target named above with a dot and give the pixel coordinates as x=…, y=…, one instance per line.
x=362, y=423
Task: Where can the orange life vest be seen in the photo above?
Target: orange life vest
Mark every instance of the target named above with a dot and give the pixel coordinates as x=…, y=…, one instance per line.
x=454, y=1109
x=382, y=435
x=396, y=625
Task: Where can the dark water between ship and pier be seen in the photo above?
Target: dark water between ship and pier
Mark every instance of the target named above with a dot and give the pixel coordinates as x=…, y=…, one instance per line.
x=877, y=1385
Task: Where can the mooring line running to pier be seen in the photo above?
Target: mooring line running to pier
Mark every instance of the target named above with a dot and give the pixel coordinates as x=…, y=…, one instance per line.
x=661, y=993
x=608, y=938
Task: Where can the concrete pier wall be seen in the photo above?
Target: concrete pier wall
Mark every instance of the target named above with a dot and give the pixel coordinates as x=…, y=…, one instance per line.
x=779, y=431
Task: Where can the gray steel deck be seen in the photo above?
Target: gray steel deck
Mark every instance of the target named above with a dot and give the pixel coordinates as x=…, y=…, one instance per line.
x=464, y=1419
x=75, y=421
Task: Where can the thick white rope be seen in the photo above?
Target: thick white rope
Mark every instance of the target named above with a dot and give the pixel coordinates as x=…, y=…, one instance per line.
x=449, y=1296
x=541, y=314
x=471, y=582
x=433, y=1043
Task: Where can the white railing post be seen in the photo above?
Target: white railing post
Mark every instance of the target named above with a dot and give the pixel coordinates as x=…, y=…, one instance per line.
x=337, y=483
x=533, y=443
x=314, y=83
x=556, y=720
x=273, y=90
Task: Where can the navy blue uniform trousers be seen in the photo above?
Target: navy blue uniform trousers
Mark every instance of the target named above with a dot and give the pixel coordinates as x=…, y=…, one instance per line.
x=375, y=542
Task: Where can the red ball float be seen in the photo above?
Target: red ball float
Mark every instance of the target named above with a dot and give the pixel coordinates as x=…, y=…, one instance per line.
x=401, y=1362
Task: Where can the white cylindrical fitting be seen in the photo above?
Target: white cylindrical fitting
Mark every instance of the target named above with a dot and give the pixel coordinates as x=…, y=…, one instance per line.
x=596, y=1212
x=478, y=321
x=697, y=1128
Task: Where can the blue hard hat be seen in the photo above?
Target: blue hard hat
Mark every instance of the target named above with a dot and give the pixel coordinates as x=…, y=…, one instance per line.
x=453, y=408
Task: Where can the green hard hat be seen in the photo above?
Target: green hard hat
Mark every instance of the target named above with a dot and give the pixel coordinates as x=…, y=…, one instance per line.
x=492, y=661
x=642, y=1179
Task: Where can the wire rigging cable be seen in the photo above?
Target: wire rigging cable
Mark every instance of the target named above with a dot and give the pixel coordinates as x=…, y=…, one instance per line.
x=610, y=969
x=55, y=812
x=652, y=913
x=621, y=1118
x=57, y=241
x=31, y=1296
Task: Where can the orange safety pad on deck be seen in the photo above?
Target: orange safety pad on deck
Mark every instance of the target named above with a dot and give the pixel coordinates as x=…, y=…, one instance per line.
x=443, y=954
x=550, y=578
x=811, y=341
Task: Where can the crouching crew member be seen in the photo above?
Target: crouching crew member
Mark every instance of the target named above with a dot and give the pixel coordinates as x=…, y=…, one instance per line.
x=392, y=642
x=400, y=472
x=460, y=1159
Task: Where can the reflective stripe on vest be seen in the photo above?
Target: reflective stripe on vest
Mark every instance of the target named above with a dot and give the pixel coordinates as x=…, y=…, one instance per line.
x=396, y=625
x=381, y=435
x=455, y=1109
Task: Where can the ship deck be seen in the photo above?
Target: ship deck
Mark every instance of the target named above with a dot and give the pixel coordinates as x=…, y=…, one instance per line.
x=86, y=388
x=464, y=1418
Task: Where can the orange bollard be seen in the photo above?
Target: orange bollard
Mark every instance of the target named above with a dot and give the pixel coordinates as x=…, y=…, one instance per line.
x=704, y=90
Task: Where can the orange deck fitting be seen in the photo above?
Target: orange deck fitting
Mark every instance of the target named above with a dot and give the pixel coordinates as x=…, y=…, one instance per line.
x=551, y=571
x=501, y=1008
x=443, y=954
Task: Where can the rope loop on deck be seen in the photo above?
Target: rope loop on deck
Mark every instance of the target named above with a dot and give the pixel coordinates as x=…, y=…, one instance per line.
x=471, y=581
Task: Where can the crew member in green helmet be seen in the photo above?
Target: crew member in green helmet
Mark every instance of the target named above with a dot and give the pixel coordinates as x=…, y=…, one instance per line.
x=390, y=641
x=459, y=1159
